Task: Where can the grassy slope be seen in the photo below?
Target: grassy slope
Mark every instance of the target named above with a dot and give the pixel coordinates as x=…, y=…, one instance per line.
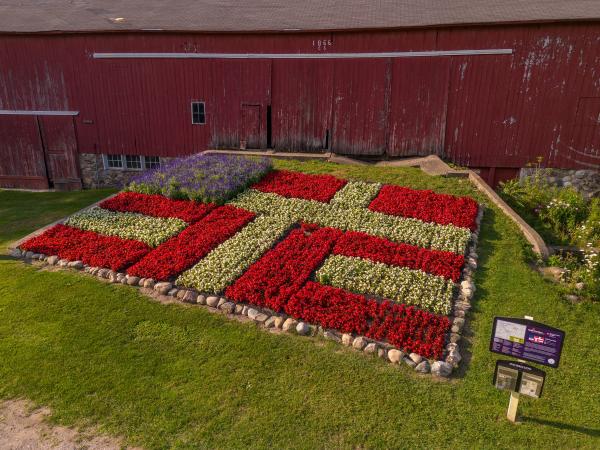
x=167, y=376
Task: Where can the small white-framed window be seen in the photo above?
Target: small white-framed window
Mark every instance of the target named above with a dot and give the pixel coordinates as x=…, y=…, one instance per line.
x=133, y=162
x=151, y=162
x=113, y=161
x=198, y=113
x=130, y=162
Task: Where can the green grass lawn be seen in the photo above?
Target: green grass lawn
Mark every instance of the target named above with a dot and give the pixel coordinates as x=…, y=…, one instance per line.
x=175, y=376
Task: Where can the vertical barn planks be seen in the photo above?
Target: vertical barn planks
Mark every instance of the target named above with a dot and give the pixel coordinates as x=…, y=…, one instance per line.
x=301, y=104
x=495, y=112
x=22, y=163
x=419, y=100
x=360, y=106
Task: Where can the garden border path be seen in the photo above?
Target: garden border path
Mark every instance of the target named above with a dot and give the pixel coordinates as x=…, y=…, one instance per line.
x=25, y=427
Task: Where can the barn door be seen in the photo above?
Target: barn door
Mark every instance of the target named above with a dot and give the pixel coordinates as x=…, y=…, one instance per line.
x=60, y=151
x=419, y=99
x=250, y=125
x=301, y=99
x=360, y=106
x=21, y=153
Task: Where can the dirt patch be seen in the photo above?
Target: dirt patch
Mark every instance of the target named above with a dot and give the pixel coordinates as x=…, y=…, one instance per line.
x=22, y=427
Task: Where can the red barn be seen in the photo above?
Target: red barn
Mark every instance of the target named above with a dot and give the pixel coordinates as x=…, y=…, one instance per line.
x=94, y=89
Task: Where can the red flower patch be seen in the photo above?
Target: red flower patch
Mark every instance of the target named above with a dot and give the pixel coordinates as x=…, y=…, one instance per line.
x=91, y=248
x=273, y=279
x=436, y=262
x=404, y=327
x=426, y=206
x=299, y=185
x=157, y=206
x=192, y=244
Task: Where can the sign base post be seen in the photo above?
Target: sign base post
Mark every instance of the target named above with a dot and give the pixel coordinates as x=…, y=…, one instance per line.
x=513, y=405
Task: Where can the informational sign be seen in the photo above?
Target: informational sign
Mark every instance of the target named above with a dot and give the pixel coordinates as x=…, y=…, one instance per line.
x=518, y=377
x=528, y=340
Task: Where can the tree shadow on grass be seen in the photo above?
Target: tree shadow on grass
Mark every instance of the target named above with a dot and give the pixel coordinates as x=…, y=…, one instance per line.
x=594, y=432
x=486, y=245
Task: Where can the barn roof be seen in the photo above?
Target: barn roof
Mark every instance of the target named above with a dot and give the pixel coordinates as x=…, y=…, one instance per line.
x=278, y=15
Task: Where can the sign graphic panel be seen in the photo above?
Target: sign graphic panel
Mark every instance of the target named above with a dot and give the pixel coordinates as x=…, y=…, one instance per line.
x=528, y=340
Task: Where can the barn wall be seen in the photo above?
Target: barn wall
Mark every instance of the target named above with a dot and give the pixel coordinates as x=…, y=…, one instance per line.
x=499, y=111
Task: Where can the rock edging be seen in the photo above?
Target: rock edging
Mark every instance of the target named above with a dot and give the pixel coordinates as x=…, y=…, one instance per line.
x=270, y=319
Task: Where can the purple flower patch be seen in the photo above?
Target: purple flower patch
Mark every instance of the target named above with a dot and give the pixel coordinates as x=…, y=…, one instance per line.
x=207, y=178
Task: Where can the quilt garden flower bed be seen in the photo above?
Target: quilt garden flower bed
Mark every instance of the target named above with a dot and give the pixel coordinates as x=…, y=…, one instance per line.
x=384, y=269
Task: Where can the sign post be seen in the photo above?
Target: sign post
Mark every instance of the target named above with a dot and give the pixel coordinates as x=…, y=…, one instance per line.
x=526, y=340
x=513, y=405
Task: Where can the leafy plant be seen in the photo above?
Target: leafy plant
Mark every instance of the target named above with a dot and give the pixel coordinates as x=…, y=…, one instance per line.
x=589, y=230
x=564, y=212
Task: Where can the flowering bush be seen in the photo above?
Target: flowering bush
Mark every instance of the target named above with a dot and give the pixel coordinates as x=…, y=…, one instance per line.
x=274, y=278
x=564, y=212
x=404, y=327
x=195, y=242
x=207, y=178
x=362, y=245
x=230, y=259
x=91, y=248
x=399, y=229
x=426, y=206
x=157, y=206
x=151, y=230
x=400, y=284
x=298, y=185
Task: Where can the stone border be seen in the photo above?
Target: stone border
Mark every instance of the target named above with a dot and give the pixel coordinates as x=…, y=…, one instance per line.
x=270, y=319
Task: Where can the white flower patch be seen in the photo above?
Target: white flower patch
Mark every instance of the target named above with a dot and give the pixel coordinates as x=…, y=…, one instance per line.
x=228, y=261
x=150, y=230
x=356, y=194
x=412, y=287
x=399, y=229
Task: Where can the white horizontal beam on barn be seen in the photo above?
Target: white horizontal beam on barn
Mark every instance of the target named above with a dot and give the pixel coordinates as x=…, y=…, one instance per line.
x=416, y=54
x=24, y=112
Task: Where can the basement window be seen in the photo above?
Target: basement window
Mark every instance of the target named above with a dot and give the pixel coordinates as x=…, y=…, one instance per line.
x=198, y=116
x=133, y=162
x=151, y=162
x=114, y=161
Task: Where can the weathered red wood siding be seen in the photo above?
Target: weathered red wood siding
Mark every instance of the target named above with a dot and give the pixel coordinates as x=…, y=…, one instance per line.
x=481, y=111
x=22, y=162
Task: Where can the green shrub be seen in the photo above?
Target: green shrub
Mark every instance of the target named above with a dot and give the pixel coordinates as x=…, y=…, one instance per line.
x=560, y=214
x=588, y=232
x=530, y=193
x=565, y=211
x=584, y=270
